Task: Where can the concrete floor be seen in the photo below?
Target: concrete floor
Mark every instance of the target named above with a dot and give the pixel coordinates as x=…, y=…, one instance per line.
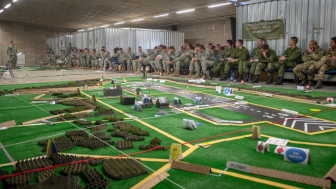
x=78, y=74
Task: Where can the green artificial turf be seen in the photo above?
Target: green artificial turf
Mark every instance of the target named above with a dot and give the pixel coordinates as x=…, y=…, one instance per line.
x=225, y=114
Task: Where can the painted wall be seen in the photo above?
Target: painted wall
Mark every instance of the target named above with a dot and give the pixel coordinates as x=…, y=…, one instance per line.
x=30, y=40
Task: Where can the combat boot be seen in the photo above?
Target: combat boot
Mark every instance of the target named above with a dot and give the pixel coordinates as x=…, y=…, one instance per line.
x=165, y=73
x=256, y=79
x=310, y=83
x=279, y=82
x=197, y=76
x=224, y=78
x=250, y=78
x=208, y=75
x=122, y=70
x=303, y=82
x=128, y=71
x=138, y=71
x=211, y=74
x=318, y=84
x=177, y=74
x=272, y=70
x=189, y=76
x=113, y=69
x=311, y=71
x=270, y=80
x=239, y=77
x=247, y=77
x=155, y=71
x=161, y=72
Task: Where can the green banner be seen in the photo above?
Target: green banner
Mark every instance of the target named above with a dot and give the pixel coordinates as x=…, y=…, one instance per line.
x=270, y=29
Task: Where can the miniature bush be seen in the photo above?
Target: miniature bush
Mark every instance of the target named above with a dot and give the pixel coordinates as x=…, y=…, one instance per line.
x=56, y=94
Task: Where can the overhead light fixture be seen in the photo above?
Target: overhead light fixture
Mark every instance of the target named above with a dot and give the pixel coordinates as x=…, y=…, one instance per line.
x=81, y=30
x=15, y=1
x=218, y=5
x=189, y=10
x=137, y=20
x=1, y=10
x=104, y=26
x=160, y=15
x=7, y=6
x=90, y=28
x=119, y=23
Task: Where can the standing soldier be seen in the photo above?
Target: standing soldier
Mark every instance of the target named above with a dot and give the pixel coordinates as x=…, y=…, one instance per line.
x=12, y=53
x=312, y=55
x=289, y=59
x=48, y=50
x=266, y=56
x=227, y=53
x=239, y=56
x=326, y=63
x=69, y=49
x=253, y=61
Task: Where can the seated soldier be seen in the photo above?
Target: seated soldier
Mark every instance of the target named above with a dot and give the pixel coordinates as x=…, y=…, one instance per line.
x=60, y=61
x=207, y=60
x=67, y=62
x=103, y=56
x=312, y=55
x=238, y=57
x=122, y=60
x=172, y=55
x=73, y=57
x=145, y=60
x=184, y=59
x=227, y=53
x=136, y=67
x=116, y=54
x=47, y=58
x=289, y=59
x=95, y=59
x=53, y=58
x=266, y=56
x=195, y=64
x=130, y=58
x=161, y=62
x=82, y=59
x=217, y=50
x=254, y=60
x=326, y=63
x=157, y=53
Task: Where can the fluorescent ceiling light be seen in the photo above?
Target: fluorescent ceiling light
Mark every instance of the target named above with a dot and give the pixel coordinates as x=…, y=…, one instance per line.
x=7, y=6
x=137, y=20
x=15, y=0
x=218, y=5
x=189, y=10
x=160, y=15
x=104, y=26
x=81, y=30
x=119, y=23
x=1, y=10
x=90, y=28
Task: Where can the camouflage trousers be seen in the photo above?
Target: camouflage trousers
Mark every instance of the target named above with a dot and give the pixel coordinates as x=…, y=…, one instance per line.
x=219, y=66
x=206, y=63
x=260, y=66
x=195, y=66
x=282, y=66
x=158, y=64
x=13, y=61
x=139, y=64
x=153, y=64
x=304, y=66
x=95, y=63
x=231, y=65
x=128, y=63
x=180, y=63
x=323, y=65
x=248, y=64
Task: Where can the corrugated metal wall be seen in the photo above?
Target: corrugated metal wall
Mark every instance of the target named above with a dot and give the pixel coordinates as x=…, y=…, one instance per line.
x=305, y=19
x=59, y=43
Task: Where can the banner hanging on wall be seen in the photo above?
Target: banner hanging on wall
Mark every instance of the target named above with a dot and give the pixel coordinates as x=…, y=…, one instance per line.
x=268, y=30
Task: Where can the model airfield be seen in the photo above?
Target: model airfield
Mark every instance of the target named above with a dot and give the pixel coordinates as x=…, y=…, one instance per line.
x=233, y=140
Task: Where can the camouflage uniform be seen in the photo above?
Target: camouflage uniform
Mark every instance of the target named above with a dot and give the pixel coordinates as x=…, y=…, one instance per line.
x=221, y=64
x=88, y=59
x=293, y=56
x=173, y=56
x=53, y=58
x=79, y=62
x=147, y=60
x=326, y=63
x=242, y=55
x=197, y=65
x=309, y=59
x=255, y=57
x=130, y=58
x=68, y=51
x=153, y=62
x=164, y=59
x=95, y=59
x=270, y=58
x=73, y=58
x=47, y=58
x=122, y=56
x=62, y=58
x=207, y=59
x=183, y=59
x=142, y=55
x=48, y=50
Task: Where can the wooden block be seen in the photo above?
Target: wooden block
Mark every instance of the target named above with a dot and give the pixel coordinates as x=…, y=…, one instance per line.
x=88, y=104
x=8, y=123
x=254, y=134
x=153, y=181
x=205, y=170
x=331, y=174
x=319, y=182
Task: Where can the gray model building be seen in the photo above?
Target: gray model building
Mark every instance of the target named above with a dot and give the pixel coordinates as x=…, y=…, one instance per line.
x=162, y=102
x=127, y=100
x=108, y=92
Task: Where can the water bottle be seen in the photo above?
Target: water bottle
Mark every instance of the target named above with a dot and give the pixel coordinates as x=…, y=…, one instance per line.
x=232, y=75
